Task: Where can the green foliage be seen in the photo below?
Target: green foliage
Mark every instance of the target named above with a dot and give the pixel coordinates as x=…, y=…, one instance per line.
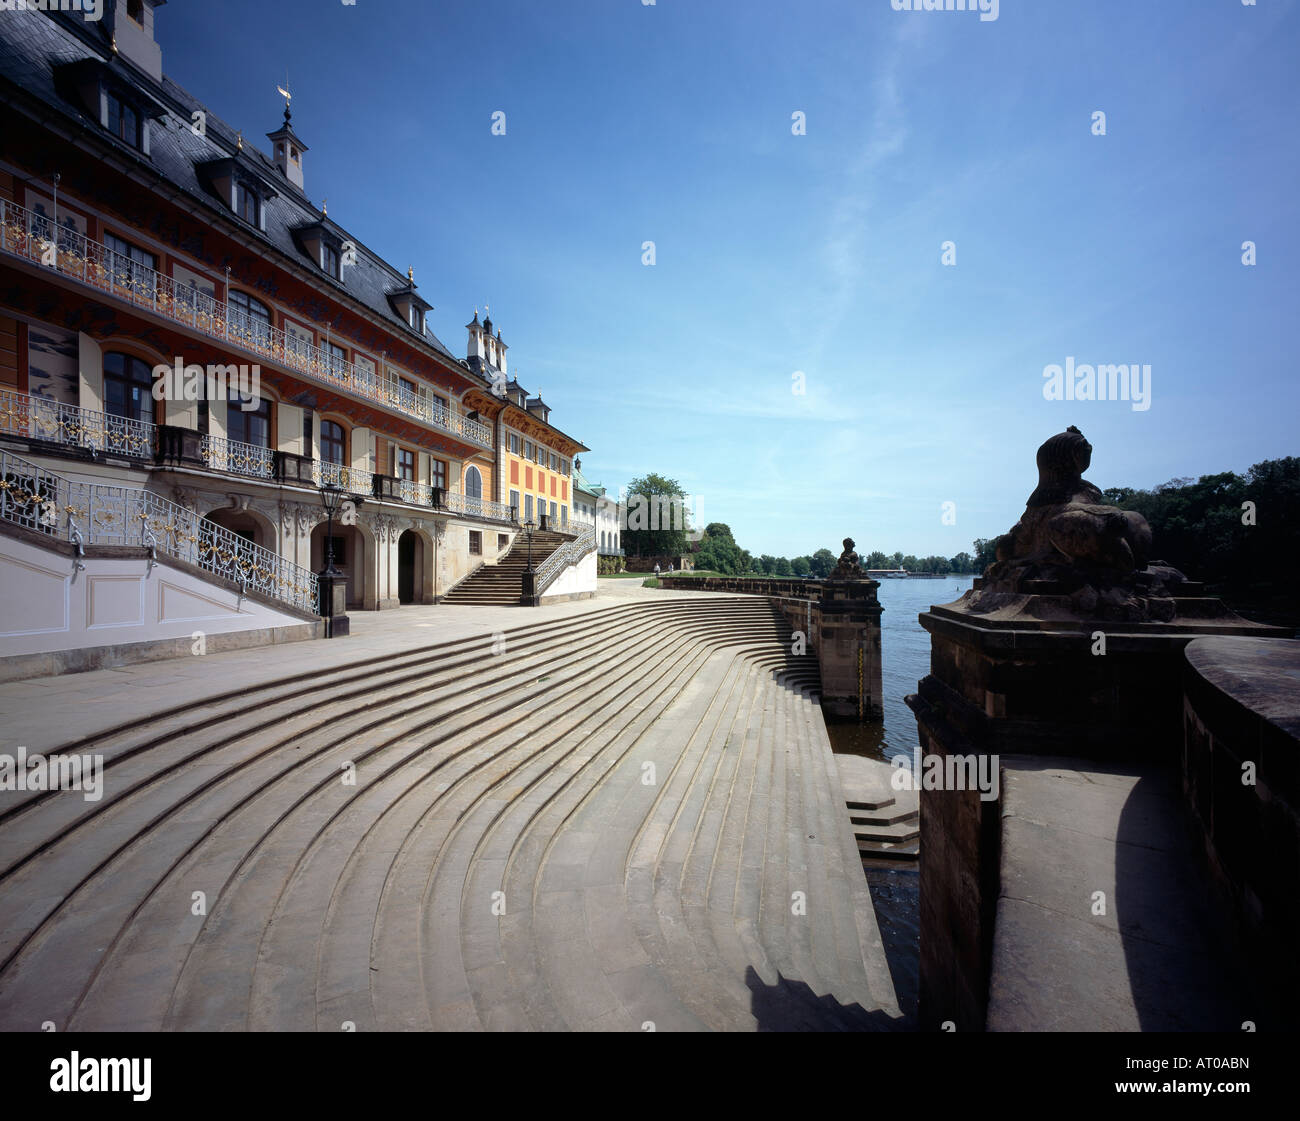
x=801, y=566
x=656, y=518
x=985, y=552
x=1201, y=528
x=822, y=562
x=962, y=562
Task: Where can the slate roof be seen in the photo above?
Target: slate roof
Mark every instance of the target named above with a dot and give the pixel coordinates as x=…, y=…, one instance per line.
x=34, y=43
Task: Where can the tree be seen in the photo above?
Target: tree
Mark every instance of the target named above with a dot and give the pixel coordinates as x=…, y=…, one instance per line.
x=782, y=567
x=962, y=562
x=801, y=566
x=656, y=518
x=985, y=552
x=822, y=563
x=876, y=560
x=718, y=551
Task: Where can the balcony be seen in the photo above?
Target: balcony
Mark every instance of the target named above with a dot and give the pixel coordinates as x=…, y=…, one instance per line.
x=39, y=419
x=27, y=235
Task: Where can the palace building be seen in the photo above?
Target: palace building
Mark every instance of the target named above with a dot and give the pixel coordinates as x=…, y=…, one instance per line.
x=138, y=231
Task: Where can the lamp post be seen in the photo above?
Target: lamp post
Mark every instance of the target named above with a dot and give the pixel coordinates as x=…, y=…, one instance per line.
x=529, y=598
x=331, y=496
x=333, y=583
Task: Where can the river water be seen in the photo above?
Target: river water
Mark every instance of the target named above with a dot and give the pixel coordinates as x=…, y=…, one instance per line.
x=905, y=655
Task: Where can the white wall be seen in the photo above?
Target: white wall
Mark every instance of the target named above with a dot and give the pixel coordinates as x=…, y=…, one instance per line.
x=574, y=580
x=43, y=608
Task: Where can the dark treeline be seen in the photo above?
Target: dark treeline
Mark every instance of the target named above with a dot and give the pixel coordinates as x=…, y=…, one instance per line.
x=719, y=552
x=1240, y=534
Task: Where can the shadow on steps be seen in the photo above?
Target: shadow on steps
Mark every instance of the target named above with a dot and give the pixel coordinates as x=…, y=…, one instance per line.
x=793, y=1006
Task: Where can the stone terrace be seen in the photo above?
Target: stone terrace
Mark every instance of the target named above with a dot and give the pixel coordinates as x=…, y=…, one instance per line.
x=501, y=861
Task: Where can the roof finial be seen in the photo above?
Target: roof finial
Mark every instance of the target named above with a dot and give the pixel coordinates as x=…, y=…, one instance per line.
x=410, y=273
x=324, y=208
x=113, y=44
x=284, y=92
x=239, y=141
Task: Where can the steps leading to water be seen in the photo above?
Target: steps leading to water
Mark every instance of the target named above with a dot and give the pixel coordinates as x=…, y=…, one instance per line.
x=886, y=823
x=602, y=826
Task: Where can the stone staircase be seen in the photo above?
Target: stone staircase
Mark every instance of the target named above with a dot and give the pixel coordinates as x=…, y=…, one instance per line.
x=502, y=584
x=629, y=819
x=886, y=823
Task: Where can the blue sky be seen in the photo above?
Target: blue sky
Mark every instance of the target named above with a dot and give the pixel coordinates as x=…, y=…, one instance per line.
x=819, y=253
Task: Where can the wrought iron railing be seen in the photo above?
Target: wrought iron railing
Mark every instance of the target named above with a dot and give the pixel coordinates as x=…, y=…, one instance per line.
x=41, y=418
x=569, y=553
x=351, y=479
x=28, y=235
x=237, y=457
x=96, y=514
x=477, y=507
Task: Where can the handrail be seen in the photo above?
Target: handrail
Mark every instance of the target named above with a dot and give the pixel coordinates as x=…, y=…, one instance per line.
x=97, y=514
x=41, y=418
x=28, y=235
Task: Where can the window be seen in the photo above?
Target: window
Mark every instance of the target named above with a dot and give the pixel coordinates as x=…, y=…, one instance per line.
x=554, y=512
x=528, y=449
x=250, y=318
x=503, y=539
x=406, y=464
x=246, y=204
x=128, y=387
x=332, y=442
x=473, y=483
x=337, y=359
x=123, y=120
x=528, y=507
x=514, y=500
x=514, y=444
x=329, y=260
x=251, y=427
x=438, y=473
x=308, y=435
x=135, y=9
x=475, y=543
x=564, y=516
x=555, y=462
x=131, y=266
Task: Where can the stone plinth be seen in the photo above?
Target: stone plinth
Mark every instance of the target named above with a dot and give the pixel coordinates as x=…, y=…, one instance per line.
x=849, y=648
x=1023, y=674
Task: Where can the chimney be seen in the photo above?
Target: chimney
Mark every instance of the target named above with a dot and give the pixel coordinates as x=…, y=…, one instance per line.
x=477, y=348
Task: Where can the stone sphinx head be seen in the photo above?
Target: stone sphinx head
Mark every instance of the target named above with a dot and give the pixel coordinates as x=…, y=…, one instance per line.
x=1062, y=459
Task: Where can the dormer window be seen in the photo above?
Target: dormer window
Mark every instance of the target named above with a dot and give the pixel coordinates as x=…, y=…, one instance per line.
x=416, y=318
x=135, y=9
x=123, y=120
x=329, y=259
x=247, y=204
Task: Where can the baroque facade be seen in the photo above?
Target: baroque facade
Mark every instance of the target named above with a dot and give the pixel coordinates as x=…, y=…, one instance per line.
x=177, y=316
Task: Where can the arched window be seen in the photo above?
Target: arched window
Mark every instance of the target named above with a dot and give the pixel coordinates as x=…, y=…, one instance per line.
x=249, y=317
x=332, y=442
x=473, y=483
x=128, y=387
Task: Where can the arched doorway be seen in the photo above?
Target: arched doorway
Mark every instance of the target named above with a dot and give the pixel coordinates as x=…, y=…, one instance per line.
x=245, y=524
x=349, y=558
x=410, y=568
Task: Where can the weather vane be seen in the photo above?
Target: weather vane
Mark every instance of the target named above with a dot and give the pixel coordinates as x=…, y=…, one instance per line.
x=284, y=92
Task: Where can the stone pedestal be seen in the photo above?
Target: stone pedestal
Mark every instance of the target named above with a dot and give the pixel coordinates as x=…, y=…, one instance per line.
x=529, y=597
x=334, y=604
x=848, y=648
x=1024, y=675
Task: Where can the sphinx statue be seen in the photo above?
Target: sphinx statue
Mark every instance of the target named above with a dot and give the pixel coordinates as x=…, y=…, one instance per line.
x=849, y=565
x=1070, y=541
